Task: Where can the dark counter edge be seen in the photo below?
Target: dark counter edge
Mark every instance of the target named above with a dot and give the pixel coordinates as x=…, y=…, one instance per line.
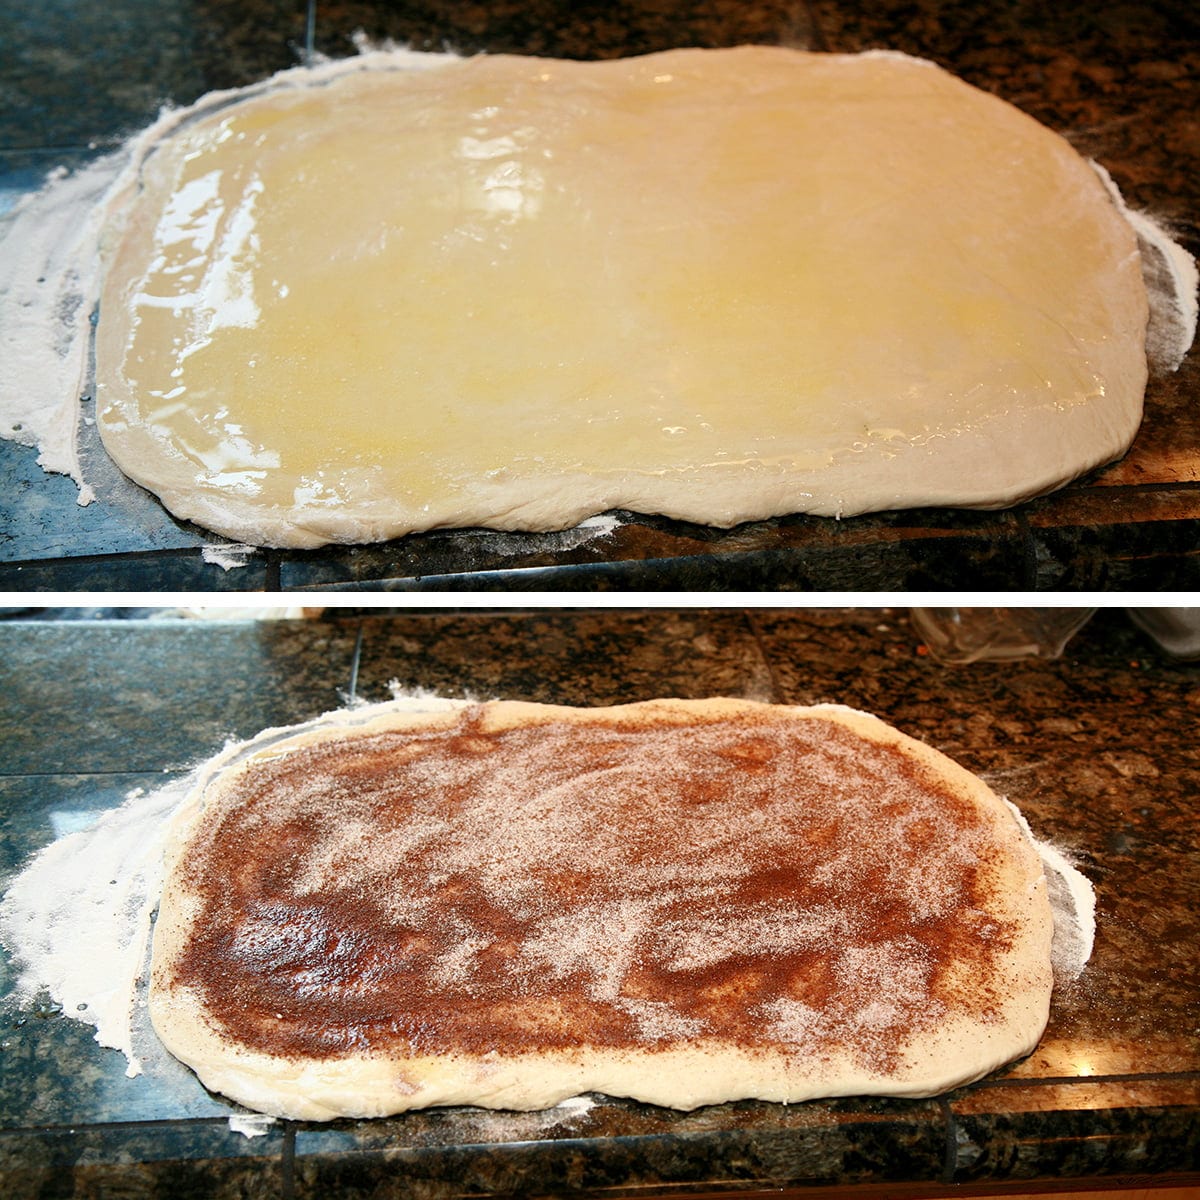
x=1094, y=542
x=865, y=1148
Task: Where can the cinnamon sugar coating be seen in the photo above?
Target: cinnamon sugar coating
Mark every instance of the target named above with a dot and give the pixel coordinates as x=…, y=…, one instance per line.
x=783, y=886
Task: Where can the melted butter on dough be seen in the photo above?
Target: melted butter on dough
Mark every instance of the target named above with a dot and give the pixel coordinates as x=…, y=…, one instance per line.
x=514, y=292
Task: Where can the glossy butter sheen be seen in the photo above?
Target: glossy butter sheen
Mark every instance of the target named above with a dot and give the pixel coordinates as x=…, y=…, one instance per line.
x=513, y=292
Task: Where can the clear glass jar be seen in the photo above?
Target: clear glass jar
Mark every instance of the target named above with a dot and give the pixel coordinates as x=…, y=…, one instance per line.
x=964, y=635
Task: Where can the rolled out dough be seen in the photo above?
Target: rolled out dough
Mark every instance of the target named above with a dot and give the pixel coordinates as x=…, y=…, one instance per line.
x=508, y=904
x=514, y=292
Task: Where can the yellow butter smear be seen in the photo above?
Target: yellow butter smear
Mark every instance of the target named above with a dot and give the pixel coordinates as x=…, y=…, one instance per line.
x=516, y=292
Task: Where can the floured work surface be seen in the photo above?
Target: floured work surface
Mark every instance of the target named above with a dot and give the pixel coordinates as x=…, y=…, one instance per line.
x=514, y=292
x=683, y=902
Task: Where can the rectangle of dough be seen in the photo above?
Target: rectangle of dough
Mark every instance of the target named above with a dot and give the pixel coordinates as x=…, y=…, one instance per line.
x=508, y=904
x=721, y=285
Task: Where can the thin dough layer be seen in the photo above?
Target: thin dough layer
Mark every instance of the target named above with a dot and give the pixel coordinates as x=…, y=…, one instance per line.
x=514, y=292
x=507, y=904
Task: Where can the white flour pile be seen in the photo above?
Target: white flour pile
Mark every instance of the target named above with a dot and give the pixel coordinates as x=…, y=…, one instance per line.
x=77, y=919
x=1073, y=900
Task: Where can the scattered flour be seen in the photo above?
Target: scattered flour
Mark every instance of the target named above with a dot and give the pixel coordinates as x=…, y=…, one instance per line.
x=1172, y=281
x=77, y=918
x=49, y=278
x=251, y=1125
x=555, y=541
x=492, y=1125
x=429, y=701
x=229, y=555
x=1073, y=901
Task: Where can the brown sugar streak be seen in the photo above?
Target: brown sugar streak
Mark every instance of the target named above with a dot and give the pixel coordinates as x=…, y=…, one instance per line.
x=769, y=883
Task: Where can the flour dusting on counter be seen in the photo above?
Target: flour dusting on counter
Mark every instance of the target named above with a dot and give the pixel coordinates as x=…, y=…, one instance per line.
x=1172, y=282
x=251, y=1125
x=77, y=919
x=49, y=276
x=1073, y=902
x=228, y=555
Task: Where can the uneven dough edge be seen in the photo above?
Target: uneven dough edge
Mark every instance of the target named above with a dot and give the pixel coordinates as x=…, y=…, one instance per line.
x=981, y=461
x=683, y=1077
x=562, y=502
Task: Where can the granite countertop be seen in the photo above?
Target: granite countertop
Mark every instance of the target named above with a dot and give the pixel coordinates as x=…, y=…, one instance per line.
x=1098, y=748
x=1121, y=82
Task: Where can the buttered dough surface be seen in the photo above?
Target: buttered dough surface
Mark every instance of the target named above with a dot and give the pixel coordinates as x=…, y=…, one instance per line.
x=514, y=292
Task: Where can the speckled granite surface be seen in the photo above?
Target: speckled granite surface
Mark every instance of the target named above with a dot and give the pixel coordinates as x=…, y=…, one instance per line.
x=1121, y=82
x=1099, y=749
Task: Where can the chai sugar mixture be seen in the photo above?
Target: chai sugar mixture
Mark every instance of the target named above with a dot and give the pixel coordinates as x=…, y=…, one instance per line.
x=77, y=919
